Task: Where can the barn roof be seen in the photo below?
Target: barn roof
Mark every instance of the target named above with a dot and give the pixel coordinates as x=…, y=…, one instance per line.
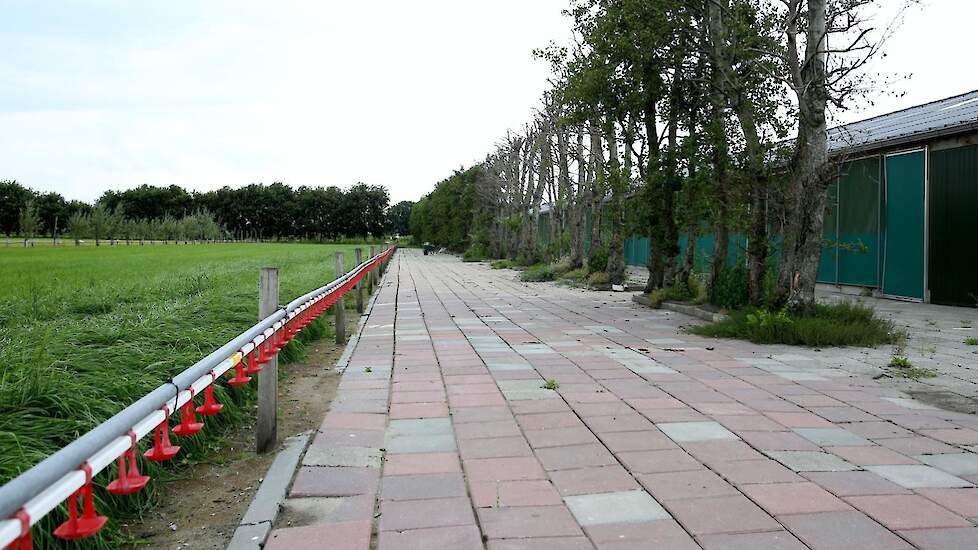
x=928, y=121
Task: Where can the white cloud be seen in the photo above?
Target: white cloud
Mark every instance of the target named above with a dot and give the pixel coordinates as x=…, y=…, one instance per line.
x=206, y=94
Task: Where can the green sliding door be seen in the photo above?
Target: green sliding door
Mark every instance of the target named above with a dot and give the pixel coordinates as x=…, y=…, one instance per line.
x=903, y=260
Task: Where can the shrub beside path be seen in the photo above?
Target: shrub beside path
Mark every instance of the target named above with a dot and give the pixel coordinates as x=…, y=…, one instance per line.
x=442, y=434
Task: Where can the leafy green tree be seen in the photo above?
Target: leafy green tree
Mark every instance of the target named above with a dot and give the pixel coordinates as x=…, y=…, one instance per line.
x=399, y=218
x=444, y=216
x=13, y=199
x=79, y=226
x=29, y=221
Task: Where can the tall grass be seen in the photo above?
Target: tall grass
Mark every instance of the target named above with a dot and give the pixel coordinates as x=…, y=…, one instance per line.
x=844, y=324
x=86, y=331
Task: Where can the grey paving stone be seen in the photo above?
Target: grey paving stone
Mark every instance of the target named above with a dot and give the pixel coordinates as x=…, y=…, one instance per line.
x=910, y=403
x=419, y=426
x=800, y=376
x=523, y=390
x=688, y=432
x=791, y=357
x=832, y=437
x=359, y=457
x=521, y=385
x=665, y=341
x=650, y=369
x=531, y=395
x=506, y=367
x=420, y=435
x=811, y=461
x=959, y=464
x=620, y=507
x=916, y=476
x=428, y=443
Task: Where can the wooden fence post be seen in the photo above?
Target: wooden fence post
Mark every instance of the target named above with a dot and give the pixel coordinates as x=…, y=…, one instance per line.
x=267, y=424
x=360, y=282
x=339, y=312
x=372, y=278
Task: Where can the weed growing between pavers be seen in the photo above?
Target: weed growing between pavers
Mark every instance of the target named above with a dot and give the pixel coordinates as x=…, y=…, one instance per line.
x=902, y=366
x=971, y=342
x=86, y=331
x=551, y=384
x=845, y=324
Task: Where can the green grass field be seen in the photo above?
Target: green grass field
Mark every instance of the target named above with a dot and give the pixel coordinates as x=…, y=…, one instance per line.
x=85, y=331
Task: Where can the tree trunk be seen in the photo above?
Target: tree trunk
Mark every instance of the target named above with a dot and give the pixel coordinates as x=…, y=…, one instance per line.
x=565, y=193
x=673, y=180
x=721, y=238
x=649, y=115
x=616, y=248
x=728, y=81
x=597, y=192
x=577, y=208
x=808, y=184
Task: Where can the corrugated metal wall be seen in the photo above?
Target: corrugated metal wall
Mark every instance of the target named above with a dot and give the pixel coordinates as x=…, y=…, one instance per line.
x=953, y=217
x=851, y=229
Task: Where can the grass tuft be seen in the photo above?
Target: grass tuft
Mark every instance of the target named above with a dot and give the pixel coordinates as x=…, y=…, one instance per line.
x=971, y=342
x=537, y=273
x=503, y=264
x=578, y=275
x=598, y=278
x=845, y=324
x=676, y=293
x=904, y=368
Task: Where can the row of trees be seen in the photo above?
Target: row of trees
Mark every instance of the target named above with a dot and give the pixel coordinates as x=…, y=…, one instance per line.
x=103, y=224
x=257, y=211
x=679, y=113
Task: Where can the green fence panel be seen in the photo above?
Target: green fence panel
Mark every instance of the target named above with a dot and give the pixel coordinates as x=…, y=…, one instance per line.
x=851, y=226
x=828, y=266
x=543, y=230
x=953, y=224
x=860, y=195
x=903, y=260
x=637, y=251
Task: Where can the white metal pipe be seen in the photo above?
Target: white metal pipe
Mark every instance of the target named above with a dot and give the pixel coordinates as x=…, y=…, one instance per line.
x=57, y=492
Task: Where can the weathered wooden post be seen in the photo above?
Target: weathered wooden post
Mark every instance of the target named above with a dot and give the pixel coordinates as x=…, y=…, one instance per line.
x=267, y=425
x=339, y=313
x=360, y=282
x=372, y=278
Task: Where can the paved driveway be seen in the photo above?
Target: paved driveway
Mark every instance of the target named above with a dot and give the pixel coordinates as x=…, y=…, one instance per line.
x=446, y=434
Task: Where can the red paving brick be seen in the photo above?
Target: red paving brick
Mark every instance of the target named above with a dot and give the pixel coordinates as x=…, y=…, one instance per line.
x=775, y=540
x=693, y=484
x=527, y=522
x=729, y=514
x=463, y=334
x=458, y=538
x=907, y=512
x=963, y=502
x=639, y=536
x=595, y=479
x=352, y=535
x=316, y=481
x=842, y=530
x=421, y=514
x=793, y=498
x=421, y=463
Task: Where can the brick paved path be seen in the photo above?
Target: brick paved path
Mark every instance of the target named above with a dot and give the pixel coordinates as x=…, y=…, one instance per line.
x=442, y=436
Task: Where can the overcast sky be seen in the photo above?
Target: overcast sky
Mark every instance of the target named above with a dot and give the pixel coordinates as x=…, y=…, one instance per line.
x=98, y=95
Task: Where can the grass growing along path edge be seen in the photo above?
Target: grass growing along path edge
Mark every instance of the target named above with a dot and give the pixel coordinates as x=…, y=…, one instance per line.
x=86, y=331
